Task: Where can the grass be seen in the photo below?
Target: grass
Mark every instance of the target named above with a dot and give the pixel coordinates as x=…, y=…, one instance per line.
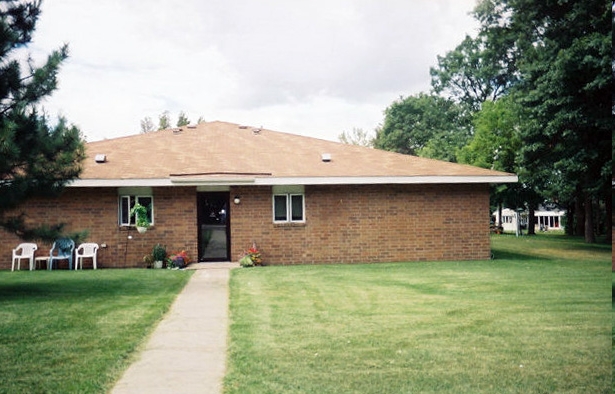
x=75, y=332
x=534, y=320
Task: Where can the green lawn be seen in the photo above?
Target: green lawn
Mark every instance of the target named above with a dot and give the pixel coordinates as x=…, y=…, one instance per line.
x=74, y=332
x=534, y=320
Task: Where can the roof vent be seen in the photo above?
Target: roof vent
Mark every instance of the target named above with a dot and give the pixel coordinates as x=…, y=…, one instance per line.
x=100, y=158
x=177, y=130
x=256, y=131
x=243, y=127
x=191, y=126
x=326, y=157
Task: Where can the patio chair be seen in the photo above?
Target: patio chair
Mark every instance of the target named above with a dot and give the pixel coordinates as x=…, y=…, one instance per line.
x=84, y=251
x=62, y=249
x=23, y=251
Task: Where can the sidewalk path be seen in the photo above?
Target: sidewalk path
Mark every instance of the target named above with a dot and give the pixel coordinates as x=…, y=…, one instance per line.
x=187, y=351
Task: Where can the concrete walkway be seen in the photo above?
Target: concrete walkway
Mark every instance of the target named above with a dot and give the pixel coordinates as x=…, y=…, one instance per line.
x=187, y=351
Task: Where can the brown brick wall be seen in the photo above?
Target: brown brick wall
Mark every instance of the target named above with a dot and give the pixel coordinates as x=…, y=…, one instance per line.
x=352, y=224
x=95, y=210
x=344, y=224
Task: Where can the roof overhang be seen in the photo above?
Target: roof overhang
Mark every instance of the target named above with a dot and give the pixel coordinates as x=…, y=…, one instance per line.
x=153, y=182
x=385, y=180
x=271, y=181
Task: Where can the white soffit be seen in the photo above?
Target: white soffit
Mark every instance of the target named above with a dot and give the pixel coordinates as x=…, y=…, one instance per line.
x=386, y=180
x=119, y=182
x=271, y=181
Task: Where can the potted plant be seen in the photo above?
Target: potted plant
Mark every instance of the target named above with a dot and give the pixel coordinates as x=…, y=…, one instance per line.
x=252, y=257
x=159, y=254
x=141, y=221
x=148, y=260
x=181, y=259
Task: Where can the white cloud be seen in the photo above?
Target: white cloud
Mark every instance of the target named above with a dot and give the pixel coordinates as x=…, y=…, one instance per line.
x=315, y=68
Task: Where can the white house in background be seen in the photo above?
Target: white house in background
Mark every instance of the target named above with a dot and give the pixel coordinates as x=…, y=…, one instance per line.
x=510, y=218
x=545, y=218
x=549, y=218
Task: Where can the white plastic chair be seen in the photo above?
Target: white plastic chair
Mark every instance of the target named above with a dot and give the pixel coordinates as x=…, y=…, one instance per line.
x=24, y=251
x=86, y=250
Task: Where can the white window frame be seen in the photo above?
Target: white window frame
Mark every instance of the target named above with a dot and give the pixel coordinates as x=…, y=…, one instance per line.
x=131, y=218
x=289, y=208
x=288, y=192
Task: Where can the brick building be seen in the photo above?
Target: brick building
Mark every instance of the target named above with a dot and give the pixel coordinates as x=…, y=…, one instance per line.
x=216, y=188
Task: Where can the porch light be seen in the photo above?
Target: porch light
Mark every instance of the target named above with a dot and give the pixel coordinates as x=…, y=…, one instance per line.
x=236, y=200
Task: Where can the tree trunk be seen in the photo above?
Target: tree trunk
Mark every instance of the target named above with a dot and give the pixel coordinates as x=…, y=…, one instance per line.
x=579, y=212
x=589, y=220
x=570, y=215
x=531, y=230
x=499, y=214
x=608, y=202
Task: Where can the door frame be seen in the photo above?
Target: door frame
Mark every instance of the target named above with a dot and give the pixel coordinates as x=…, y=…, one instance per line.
x=200, y=196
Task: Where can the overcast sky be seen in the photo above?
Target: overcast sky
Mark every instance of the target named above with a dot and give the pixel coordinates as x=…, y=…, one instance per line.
x=315, y=68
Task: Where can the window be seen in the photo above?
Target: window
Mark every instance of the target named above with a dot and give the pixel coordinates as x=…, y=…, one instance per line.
x=126, y=204
x=288, y=208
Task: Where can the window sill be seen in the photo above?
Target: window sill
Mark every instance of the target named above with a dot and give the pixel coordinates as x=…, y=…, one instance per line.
x=134, y=228
x=289, y=224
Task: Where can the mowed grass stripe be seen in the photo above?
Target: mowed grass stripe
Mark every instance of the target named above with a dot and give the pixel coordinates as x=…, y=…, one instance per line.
x=528, y=325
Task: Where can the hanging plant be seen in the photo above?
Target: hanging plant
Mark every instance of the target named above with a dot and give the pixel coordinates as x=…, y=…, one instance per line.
x=141, y=221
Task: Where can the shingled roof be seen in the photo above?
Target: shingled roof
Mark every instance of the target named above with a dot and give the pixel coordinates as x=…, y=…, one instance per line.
x=220, y=153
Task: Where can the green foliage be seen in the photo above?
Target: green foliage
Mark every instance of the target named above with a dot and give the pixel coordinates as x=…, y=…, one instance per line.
x=164, y=121
x=496, y=139
x=567, y=91
x=552, y=60
x=141, y=215
x=563, y=54
x=246, y=261
x=159, y=252
x=182, y=119
x=495, y=145
x=424, y=125
x=473, y=72
x=36, y=159
x=251, y=258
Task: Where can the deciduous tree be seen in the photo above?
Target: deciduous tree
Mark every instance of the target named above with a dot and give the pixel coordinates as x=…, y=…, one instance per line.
x=424, y=125
x=164, y=120
x=182, y=119
x=147, y=126
x=477, y=70
x=563, y=52
x=357, y=137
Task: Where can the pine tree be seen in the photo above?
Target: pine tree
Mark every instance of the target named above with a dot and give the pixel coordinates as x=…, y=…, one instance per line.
x=36, y=158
